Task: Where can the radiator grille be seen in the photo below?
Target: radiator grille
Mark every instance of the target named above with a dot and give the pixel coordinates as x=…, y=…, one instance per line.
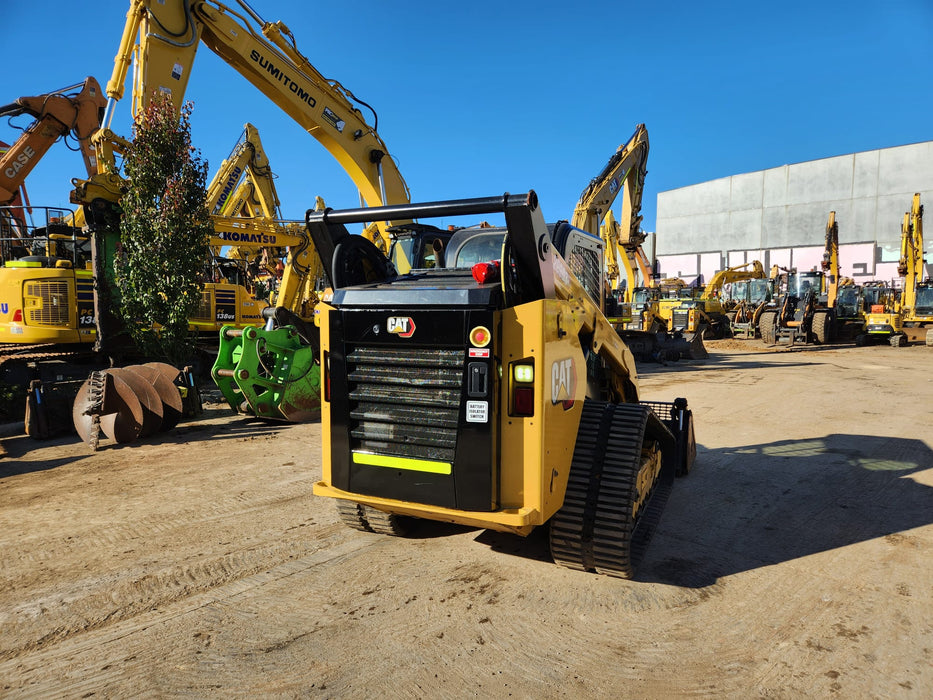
x=48, y=303
x=204, y=309
x=405, y=402
x=585, y=265
x=679, y=319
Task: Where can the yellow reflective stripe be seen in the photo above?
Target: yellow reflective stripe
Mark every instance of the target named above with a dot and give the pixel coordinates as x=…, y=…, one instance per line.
x=415, y=465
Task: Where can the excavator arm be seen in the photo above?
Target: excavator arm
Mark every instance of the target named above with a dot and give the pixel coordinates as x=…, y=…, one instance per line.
x=57, y=114
x=917, y=299
x=830, y=261
x=623, y=174
x=737, y=273
x=910, y=265
x=247, y=162
x=169, y=33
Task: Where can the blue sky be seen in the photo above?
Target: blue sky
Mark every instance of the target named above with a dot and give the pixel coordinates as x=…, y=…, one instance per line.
x=479, y=98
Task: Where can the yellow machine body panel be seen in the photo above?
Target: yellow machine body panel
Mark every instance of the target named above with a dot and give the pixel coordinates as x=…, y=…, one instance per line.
x=534, y=333
x=46, y=305
x=226, y=304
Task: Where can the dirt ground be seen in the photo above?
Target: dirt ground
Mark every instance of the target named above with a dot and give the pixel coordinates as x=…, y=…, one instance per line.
x=795, y=561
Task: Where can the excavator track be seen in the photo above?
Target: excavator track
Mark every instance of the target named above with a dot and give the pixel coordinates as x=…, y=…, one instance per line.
x=23, y=354
x=595, y=529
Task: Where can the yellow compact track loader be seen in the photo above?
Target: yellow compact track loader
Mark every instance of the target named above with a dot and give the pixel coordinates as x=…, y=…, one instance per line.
x=490, y=392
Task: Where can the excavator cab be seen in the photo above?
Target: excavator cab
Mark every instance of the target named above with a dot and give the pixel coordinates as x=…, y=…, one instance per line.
x=849, y=301
x=924, y=303
x=418, y=246
x=48, y=286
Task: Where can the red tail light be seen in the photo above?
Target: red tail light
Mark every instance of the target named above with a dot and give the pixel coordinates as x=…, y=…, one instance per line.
x=18, y=316
x=523, y=401
x=522, y=387
x=486, y=272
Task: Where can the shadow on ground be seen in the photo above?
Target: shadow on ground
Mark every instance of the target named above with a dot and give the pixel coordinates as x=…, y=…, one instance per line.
x=23, y=454
x=752, y=506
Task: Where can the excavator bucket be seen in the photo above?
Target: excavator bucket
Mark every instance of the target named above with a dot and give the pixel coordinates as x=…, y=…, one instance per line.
x=268, y=373
x=664, y=347
x=695, y=349
x=127, y=403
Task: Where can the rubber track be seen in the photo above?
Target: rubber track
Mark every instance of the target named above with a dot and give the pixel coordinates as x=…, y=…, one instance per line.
x=593, y=530
x=367, y=519
x=352, y=515
x=10, y=352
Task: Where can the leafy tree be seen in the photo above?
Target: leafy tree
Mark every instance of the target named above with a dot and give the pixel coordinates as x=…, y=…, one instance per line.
x=164, y=233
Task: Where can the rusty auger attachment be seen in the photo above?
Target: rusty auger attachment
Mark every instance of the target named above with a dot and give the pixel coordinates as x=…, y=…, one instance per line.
x=132, y=402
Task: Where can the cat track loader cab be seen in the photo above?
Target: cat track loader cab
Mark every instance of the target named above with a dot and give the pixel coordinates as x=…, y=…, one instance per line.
x=490, y=392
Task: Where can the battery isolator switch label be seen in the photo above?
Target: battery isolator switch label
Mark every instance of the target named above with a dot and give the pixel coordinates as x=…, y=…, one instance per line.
x=477, y=412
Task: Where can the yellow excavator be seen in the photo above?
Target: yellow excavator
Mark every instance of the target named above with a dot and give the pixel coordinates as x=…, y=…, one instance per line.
x=883, y=320
x=703, y=313
x=46, y=284
x=256, y=367
x=917, y=299
x=46, y=277
x=624, y=175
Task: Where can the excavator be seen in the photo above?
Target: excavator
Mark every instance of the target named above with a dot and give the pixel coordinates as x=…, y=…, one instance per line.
x=805, y=311
x=248, y=228
x=917, y=299
x=491, y=392
x=256, y=367
x=882, y=319
x=45, y=281
x=47, y=322
x=704, y=314
x=624, y=174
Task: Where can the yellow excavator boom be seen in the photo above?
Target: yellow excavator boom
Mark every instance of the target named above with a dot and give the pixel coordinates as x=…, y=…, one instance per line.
x=169, y=33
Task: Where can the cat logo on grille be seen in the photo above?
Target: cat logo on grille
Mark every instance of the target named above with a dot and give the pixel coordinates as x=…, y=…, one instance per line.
x=403, y=326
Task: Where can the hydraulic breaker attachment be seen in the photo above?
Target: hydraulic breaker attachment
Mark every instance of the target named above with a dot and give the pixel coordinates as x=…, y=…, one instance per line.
x=268, y=373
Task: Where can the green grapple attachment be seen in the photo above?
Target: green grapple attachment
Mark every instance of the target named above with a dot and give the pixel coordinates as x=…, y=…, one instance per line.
x=268, y=373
